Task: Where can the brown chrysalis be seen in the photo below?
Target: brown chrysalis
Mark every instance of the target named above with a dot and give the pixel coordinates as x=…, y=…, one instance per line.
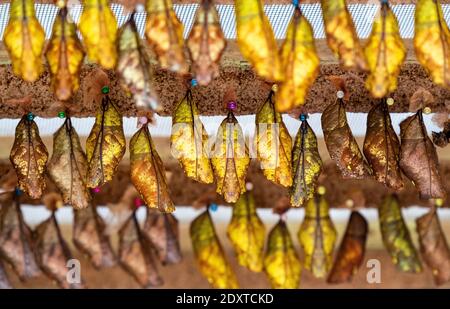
x=90, y=238
x=351, y=251
x=162, y=230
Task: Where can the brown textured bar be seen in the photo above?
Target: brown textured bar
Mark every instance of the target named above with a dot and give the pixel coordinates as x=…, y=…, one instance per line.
x=340, y=193
x=251, y=92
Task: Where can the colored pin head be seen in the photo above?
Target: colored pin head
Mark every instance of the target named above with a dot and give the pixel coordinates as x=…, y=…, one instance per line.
x=30, y=116
x=62, y=115
x=105, y=89
x=232, y=105
x=303, y=117
x=138, y=202
x=213, y=207
x=96, y=190
x=194, y=82
x=17, y=191
x=340, y=94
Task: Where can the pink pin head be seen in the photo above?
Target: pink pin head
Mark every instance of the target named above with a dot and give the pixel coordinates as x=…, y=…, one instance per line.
x=143, y=120
x=96, y=190
x=138, y=202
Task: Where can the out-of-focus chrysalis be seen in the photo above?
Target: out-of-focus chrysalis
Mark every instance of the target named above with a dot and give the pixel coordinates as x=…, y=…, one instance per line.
x=16, y=246
x=105, y=145
x=148, y=172
x=281, y=262
x=51, y=250
x=418, y=157
x=98, y=26
x=341, y=34
x=246, y=232
x=68, y=166
x=442, y=139
x=4, y=281
x=134, y=67
x=341, y=143
x=189, y=141
x=64, y=54
x=306, y=164
x=29, y=157
x=396, y=236
x=299, y=62
x=256, y=39
x=433, y=246
x=230, y=159
x=164, y=33
x=351, y=251
x=317, y=236
x=382, y=147
x=273, y=144
x=90, y=238
x=162, y=230
x=385, y=53
x=432, y=41
x=24, y=40
x=136, y=254
x=211, y=259
x=206, y=43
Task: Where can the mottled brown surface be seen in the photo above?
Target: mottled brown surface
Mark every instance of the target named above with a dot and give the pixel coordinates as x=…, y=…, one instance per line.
x=251, y=92
x=340, y=192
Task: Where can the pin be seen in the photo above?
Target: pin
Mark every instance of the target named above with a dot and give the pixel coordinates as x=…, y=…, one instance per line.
x=213, y=207
x=232, y=105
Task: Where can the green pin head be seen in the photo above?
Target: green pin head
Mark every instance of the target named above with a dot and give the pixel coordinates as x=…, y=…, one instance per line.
x=105, y=89
x=62, y=115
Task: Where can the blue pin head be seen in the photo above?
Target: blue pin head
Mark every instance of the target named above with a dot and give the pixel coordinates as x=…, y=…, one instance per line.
x=303, y=117
x=194, y=82
x=17, y=191
x=213, y=207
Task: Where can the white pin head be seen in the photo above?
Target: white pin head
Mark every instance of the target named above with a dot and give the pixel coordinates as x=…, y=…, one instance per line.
x=340, y=94
x=249, y=186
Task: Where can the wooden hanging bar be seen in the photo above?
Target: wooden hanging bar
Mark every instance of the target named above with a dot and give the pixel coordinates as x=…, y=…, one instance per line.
x=341, y=193
x=251, y=92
